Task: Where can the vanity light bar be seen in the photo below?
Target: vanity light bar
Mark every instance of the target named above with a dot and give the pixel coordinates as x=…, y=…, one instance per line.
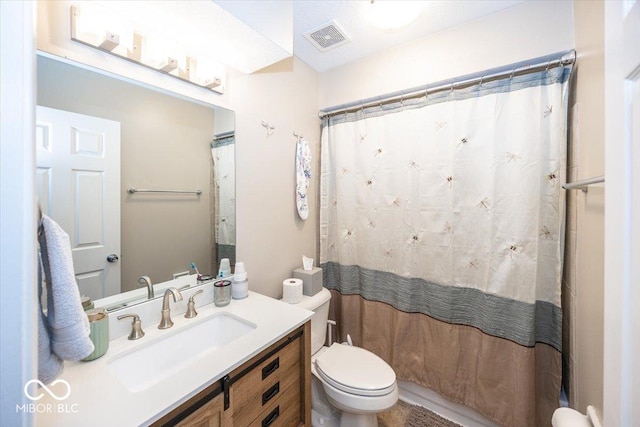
x=169, y=66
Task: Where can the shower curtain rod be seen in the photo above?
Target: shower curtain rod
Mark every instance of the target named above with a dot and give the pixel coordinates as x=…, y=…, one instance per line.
x=559, y=59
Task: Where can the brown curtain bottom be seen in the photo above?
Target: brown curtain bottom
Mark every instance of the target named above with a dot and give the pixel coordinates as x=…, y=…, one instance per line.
x=508, y=383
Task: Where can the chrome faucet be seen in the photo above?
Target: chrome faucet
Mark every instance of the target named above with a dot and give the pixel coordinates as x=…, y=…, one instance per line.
x=166, y=322
x=145, y=281
x=136, y=326
x=191, y=306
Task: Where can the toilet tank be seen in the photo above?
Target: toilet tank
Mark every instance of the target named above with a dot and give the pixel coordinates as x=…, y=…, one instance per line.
x=319, y=304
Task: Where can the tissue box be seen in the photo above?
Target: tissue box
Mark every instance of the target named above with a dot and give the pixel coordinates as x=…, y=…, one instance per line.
x=311, y=280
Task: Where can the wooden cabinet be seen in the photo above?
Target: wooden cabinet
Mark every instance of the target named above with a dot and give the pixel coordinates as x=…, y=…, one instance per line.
x=264, y=392
x=273, y=389
x=208, y=415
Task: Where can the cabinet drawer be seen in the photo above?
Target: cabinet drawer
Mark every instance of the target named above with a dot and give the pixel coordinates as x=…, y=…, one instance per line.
x=266, y=383
x=281, y=412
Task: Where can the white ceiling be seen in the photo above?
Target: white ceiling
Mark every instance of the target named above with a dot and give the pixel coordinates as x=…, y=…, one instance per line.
x=352, y=17
x=270, y=30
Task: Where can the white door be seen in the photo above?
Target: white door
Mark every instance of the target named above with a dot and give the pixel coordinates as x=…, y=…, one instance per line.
x=78, y=179
x=622, y=214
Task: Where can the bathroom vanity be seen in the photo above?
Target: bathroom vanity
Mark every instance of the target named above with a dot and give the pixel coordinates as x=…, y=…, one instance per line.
x=241, y=365
x=268, y=390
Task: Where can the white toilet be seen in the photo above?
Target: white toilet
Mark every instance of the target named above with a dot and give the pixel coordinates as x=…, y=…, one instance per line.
x=567, y=417
x=350, y=385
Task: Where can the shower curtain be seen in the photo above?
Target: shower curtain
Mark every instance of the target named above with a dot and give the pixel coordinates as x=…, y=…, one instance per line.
x=224, y=176
x=441, y=236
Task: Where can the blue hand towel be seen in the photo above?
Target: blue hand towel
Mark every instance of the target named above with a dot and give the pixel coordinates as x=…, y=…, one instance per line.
x=67, y=322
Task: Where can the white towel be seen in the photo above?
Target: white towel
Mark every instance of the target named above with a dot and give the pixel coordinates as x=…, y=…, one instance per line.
x=49, y=364
x=68, y=323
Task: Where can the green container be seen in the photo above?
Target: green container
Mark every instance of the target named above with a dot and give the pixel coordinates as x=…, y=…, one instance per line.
x=99, y=322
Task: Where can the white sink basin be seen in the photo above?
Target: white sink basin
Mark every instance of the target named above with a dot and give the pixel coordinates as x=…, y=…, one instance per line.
x=148, y=364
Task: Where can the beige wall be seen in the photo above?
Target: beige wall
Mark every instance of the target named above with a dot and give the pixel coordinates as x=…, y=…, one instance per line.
x=583, y=284
x=271, y=238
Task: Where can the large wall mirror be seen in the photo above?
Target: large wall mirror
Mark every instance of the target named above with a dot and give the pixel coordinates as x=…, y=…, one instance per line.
x=97, y=137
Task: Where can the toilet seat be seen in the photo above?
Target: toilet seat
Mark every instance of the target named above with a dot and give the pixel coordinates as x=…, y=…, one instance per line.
x=355, y=370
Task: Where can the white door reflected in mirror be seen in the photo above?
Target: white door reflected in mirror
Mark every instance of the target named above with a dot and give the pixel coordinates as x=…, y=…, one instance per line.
x=78, y=180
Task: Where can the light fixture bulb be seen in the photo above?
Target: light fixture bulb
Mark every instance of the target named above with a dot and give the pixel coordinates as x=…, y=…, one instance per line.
x=390, y=15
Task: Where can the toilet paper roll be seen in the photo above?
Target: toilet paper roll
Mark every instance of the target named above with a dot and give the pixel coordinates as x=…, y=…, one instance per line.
x=292, y=291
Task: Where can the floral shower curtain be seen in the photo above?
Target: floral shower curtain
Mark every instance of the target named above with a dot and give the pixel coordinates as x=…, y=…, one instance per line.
x=441, y=229
x=223, y=155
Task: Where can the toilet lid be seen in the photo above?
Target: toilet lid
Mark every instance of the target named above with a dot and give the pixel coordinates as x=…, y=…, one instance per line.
x=355, y=370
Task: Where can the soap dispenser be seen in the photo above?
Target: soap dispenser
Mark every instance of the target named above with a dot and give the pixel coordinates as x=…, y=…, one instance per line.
x=240, y=285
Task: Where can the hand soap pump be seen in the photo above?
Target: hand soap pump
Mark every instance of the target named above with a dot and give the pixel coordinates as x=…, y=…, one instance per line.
x=240, y=285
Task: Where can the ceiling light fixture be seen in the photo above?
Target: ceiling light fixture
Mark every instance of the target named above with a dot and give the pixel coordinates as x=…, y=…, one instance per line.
x=390, y=15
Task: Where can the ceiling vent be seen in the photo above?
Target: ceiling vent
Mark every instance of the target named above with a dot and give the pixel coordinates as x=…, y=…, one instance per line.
x=327, y=37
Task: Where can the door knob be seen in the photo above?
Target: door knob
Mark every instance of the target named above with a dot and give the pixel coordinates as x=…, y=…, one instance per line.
x=112, y=258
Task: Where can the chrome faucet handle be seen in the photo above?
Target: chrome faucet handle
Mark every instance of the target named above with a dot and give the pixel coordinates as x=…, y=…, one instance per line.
x=146, y=281
x=166, y=322
x=136, y=326
x=191, y=306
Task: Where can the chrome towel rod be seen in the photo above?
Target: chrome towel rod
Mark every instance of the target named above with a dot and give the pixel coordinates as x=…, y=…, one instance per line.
x=584, y=184
x=140, y=190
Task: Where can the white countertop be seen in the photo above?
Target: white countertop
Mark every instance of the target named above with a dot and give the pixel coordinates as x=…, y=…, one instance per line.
x=99, y=398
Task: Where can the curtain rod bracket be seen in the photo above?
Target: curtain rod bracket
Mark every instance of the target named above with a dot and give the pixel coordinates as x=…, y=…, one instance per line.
x=584, y=184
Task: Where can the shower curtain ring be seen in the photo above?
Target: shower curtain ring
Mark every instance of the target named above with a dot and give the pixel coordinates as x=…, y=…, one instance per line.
x=548, y=65
x=481, y=79
x=512, y=73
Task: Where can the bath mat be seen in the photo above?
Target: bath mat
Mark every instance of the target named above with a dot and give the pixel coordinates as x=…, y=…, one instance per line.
x=404, y=414
x=421, y=417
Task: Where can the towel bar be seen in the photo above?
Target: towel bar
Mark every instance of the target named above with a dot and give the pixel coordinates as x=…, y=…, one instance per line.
x=139, y=190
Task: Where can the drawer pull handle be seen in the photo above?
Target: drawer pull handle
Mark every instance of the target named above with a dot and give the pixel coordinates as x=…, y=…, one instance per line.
x=271, y=417
x=268, y=395
x=270, y=368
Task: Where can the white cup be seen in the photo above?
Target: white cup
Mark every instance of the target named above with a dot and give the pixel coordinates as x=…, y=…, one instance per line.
x=225, y=268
